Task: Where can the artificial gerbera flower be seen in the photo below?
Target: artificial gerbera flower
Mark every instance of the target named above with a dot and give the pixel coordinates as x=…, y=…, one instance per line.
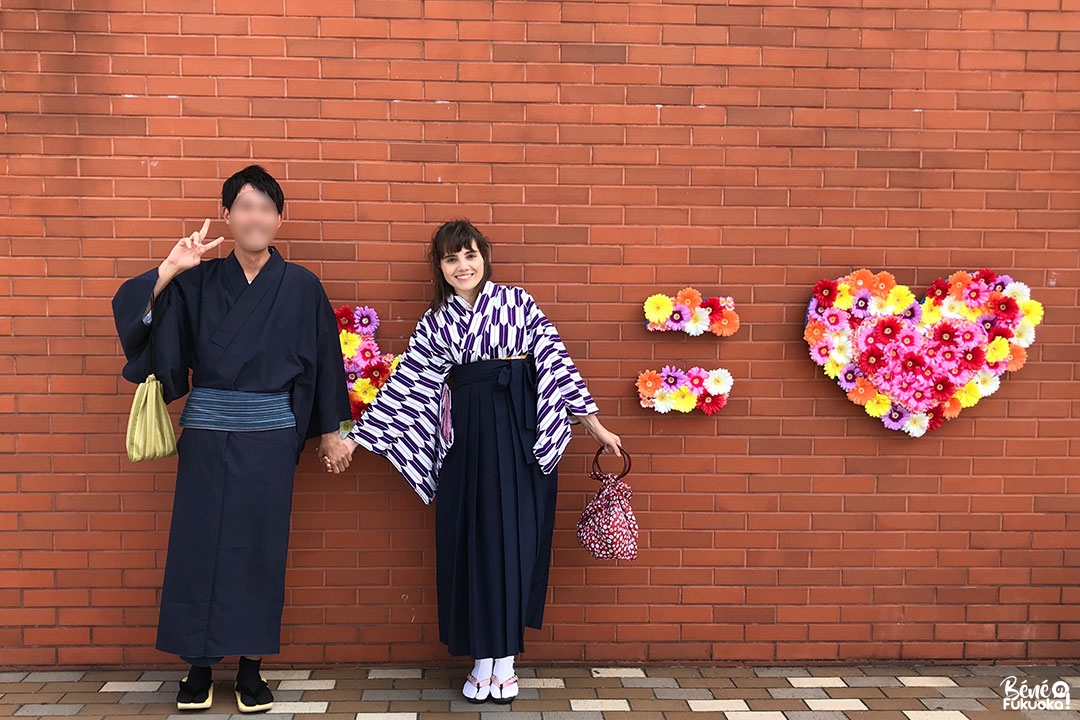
x=883, y=284
x=1018, y=291
x=976, y=294
x=683, y=400
x=969, y=394
x=1033, y=311
x=951, y=408
x=899, y=297
x=345, y=318
x=680, y=314
x=945, y=333
x=860, y=305
x=377, y=372
x=711, y=404
x=985, y=275
x=1004, y=307
x=713, y=305
x=662, y=401
x=871, y=360
x=860, y=280
x=938, y=291
x=973, y=359
x=689, y=297
x=912, y=312
x=1024, y=334
x=395, y=361
x=695, y=380
x=997, y=350
x=350, y=341
x=844, y=298
x=719, y=382
x=366, y=321
x=367, y=352
x=658, y=308
x=862, y=392
x=987, y=382
x=878, y=405
x=698, y=322
x=648, y=383
x=1017, y=358
x=942, y=388
x=365, y=390
x=814, y=332
x=672, y=378
x=847, y=377
x=825, y=293
x=726, y=324
x=896, y=417
x=936, y=417
x=886, y=329
x=917, y=424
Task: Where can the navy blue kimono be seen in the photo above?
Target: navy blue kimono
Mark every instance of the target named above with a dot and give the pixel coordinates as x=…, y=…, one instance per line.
x=224, y=585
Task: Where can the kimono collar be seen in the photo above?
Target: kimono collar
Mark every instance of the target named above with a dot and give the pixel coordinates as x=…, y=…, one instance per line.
x=487, y=289
x=236, y=273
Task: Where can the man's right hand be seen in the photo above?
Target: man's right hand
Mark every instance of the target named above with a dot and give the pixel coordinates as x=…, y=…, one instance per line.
x=188, y=252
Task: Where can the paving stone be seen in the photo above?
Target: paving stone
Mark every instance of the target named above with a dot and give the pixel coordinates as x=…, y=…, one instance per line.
x=125, y=687
x=48, y=709
x=54, y=677
x=307, y=684
x=618, y=673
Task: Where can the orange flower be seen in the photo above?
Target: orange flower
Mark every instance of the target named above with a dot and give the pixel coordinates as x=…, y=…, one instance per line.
x=957, y=282
x=726, y=324
x=951, y=407
x=883, y=283
x=859, y=280
x=1017, y=358
x=689, y=297
x=863, y=392
x=814, y=333
x=648, y=383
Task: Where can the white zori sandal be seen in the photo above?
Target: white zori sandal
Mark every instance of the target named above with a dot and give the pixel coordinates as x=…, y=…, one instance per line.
x=504, y=692
x=482, y=687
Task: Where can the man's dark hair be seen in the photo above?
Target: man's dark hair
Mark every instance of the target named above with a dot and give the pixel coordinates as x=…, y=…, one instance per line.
x=257, y=178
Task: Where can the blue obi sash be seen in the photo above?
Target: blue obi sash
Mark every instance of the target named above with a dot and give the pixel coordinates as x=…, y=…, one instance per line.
x=237, y=411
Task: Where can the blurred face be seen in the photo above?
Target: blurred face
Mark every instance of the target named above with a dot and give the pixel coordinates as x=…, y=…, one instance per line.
x=253, y=220
x=464, y=270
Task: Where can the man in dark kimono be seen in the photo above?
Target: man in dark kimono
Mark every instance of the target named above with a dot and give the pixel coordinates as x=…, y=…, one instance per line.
x=260, y=340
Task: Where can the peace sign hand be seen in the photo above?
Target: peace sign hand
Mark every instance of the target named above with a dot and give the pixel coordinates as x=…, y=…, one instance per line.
x=188, y=251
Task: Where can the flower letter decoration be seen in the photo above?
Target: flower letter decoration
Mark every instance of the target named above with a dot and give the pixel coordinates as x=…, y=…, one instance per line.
x=366, y=369
x=690, y=313
x=916, y=364
x=673, y=389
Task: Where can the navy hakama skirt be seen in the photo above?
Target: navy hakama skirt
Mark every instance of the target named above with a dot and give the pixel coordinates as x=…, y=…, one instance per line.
x=224, y=586
x=494, y=513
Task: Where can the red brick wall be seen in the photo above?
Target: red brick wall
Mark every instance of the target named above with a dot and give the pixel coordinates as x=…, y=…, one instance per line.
x=612, y=150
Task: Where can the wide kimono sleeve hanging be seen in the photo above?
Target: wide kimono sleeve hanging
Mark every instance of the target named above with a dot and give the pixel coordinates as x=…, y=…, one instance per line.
x=404, y=423
x=330, y=394
x=174, y=340
x=561, y=393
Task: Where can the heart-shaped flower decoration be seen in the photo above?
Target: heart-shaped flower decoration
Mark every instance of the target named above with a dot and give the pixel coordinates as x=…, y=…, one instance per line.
x=916, y=364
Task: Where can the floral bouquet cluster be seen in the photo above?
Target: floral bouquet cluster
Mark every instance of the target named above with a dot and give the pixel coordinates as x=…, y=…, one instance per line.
x=915, y=364
x=673, y=389
x=690, y=313
x=366, y=368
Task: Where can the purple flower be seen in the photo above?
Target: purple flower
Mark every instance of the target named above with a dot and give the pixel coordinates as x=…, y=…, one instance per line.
x=680, y=315
x=1001, y=281
x=366, y=319
x=860, y=308
x=913, y=312
x=353, y=367
x=896, y=417
x=848, y=376
x=672, y=377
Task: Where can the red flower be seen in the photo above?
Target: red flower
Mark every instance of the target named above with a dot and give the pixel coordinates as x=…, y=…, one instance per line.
x=973, y=358
x=714, y=307
x=345, y=318
x=1004, y=306
x=711, y=404
x=376, y=372
x=912, y=363
x=996, y=332
x=942, y=388
x=825, y=293
x=886, y=329
x=870, y=360
x=358, y=408
x=945, y=333
x=938, y=291
x=986, y=275
x=937, y=417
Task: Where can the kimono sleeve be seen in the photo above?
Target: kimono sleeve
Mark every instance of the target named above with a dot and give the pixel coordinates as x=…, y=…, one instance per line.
x=556, y=373
x=403, y=424
x=331, y=394
x=173, y=339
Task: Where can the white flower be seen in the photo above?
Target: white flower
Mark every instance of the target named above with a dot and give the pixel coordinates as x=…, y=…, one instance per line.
x=662, y=401
x=698, y=322
x=951, y=307
x=917, y=424
x=842, y=351
x=719, y=382
x=1024, y=334
x=879, y=306
x=987, y=382
x=1018, y=291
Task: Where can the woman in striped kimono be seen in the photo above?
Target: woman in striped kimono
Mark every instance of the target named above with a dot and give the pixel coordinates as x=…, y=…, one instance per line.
x=480, y=406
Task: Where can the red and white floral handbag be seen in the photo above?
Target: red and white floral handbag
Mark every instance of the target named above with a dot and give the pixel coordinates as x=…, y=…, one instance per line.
x=608, y=528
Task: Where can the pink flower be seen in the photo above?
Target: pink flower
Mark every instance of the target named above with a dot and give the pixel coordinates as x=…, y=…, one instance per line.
x=695, y=380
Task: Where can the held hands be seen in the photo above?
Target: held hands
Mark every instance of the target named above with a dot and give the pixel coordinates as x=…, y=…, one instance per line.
x=188, y=251
x=334, y=452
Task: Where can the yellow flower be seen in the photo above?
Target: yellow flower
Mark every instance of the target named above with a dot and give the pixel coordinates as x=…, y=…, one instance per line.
x=969, y=394
x=684, y=400
x=844, y=299
x=997, y=350
x=833, y=369
x=365, y=390
x=1033, y=311
x=931, y=313
x=900, y=298
x=395, y=362
x=878, y=405
x=658, y=308
x=350, y=342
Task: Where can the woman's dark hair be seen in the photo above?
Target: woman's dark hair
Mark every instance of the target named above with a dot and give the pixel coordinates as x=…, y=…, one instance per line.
x=257, y=178
x=451, y=238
